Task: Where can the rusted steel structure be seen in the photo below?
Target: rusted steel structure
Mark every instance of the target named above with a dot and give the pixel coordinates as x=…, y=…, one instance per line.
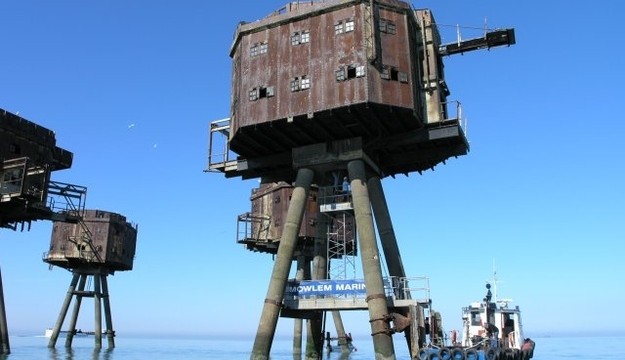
x=326, y=89
x=103, y=239
x=341, y=70
x=28, y=155
x=102, y=243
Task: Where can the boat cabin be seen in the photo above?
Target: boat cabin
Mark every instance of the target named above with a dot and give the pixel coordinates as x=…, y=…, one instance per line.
x=493, y=323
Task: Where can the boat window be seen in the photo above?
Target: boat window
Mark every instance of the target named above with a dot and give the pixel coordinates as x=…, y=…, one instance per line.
x=475, y=319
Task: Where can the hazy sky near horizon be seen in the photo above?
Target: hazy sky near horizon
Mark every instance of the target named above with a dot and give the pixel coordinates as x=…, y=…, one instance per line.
x=130, y=88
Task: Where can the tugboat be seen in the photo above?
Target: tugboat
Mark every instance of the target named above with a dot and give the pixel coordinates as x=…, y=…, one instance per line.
x=491, y=331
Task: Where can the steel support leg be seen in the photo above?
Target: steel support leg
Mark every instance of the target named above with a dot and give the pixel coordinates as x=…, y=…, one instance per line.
x=97, y=300
x=314, y=341
x=110, y=333
x=390, y=248
x=4, y=330
x=298, y=323
x=370, y=256
x=74, y=318
x=59, y=322
x=282, y=266
x=340, y=331
x=385, y=228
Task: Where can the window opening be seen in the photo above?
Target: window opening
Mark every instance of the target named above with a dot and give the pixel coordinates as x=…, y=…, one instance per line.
x=302, y=37
x=360, y=71
x=259, y=48
x=340, y=74
x=253, y=95
x=261, y=92
x=351, y=72
x=349, y=25
x=338, y=27
x=394, y=74
x=305, y=37
x=387, y=26
x=295, y=84
x=300, y=83
x=304, y=82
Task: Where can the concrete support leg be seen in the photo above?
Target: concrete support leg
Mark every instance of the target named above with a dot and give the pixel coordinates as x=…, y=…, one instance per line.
x=390, y=248
x=110, y=333
x=340, y=331
x=370, y=256
x=385, y=228
x=314, y=343
x=298, y=326
x=74, y=317
x=59, y=322
x=4, y=330
x=282, y=266
x=97, y=300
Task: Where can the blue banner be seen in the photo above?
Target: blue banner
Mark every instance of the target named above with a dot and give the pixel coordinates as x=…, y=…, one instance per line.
x=325, y=287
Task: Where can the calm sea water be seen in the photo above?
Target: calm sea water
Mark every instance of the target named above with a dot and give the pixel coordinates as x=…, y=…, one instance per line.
x=35, y=348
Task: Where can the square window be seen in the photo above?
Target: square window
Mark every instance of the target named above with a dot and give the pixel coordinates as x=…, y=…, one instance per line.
x=386, y=74
x=305, y=37
x=351, y=72
x=394, y=74
x=403, y=77
x=349, y=25
x=360, y=71
x=390, y=27
x=340, y=74
x=338, y=28
x=253, y=95
x=270, y=91
x=304, y=83
x=262, y=49
x=382, y=25
x=295, y=39
x=295, y=84
x=254, y=50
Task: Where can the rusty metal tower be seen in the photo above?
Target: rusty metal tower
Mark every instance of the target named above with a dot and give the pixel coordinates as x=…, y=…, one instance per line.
x=87, y=242
x=28, y=156
x=100, y=244
x=333, y=89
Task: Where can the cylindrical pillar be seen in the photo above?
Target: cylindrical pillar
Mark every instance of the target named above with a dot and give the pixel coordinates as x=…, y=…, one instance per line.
x=391, y=249
x=370, y=256
x=97, y=300
x=340, y=331
x=110, y=333
x=385, y=228
x=74, y=317
x=298, y=326
x=282, y=266
x=59, y=322
x=314, y=340
x=4, y=329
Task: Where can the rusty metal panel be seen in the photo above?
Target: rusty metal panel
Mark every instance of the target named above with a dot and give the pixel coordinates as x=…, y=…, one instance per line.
x=394, y=83
x=22, y=138
x=432, y=65
x=103, y=239
x=325, y=52
x=271, y=201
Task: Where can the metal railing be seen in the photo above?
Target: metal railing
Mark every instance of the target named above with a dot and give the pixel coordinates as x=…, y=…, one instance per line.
x=253, y=227
x=220, y=158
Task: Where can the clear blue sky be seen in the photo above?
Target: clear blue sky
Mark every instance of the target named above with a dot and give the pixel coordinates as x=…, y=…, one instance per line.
x=540, y=193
